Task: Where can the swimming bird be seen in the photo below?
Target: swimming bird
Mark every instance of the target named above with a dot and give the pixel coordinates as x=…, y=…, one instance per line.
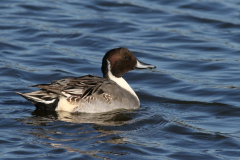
x=90, y=93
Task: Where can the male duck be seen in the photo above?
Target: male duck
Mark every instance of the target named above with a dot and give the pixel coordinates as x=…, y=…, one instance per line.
x=92, y=94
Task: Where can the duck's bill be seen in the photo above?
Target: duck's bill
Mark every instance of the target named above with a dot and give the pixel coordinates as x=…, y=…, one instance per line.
x=141, y=65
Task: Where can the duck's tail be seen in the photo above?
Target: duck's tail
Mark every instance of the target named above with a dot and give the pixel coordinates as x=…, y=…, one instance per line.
x=42, y=99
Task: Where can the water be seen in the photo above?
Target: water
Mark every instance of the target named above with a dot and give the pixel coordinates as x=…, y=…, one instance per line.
x=189, y=103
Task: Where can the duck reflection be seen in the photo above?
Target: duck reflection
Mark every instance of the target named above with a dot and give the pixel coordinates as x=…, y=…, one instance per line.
x=116, y=118
x=95, y=135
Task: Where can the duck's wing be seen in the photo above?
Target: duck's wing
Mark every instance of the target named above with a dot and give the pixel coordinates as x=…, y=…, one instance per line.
x=47, y=97
x=79, y=86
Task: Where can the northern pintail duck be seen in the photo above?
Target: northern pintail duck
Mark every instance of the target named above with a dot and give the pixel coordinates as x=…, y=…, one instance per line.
x=92, y=94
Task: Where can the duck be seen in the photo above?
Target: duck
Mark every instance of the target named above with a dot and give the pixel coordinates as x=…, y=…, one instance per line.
x=91, y=93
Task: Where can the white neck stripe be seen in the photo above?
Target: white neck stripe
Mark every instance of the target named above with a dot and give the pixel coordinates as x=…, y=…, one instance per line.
x=120, y=81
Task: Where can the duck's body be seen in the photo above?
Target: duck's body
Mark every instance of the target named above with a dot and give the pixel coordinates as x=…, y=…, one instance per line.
x=92, y=94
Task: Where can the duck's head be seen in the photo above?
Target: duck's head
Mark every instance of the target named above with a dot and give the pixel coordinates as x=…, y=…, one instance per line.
x=119, y=61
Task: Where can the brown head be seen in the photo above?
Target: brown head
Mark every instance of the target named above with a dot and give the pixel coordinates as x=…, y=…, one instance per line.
x=119, y=61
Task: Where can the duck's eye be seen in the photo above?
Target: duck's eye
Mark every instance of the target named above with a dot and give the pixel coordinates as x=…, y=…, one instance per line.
x=126, y=57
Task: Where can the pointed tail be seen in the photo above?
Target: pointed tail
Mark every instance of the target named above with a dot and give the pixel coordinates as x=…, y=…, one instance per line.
x=42, y=100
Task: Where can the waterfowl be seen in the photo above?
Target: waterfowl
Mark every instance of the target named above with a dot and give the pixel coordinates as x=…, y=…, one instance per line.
x=90, y=93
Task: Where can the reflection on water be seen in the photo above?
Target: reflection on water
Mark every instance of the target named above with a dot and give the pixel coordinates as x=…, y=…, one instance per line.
x=95, y=132
x=115, y=118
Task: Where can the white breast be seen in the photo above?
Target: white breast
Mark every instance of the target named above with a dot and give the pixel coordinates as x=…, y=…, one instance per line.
x=120, y=81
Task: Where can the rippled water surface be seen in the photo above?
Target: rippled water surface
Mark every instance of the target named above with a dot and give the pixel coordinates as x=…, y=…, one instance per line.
x=189, y=103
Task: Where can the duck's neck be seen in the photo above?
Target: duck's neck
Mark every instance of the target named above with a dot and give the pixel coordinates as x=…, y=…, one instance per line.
x=120, y=81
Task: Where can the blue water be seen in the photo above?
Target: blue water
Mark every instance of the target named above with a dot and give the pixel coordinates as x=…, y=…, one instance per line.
x=189, y=103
